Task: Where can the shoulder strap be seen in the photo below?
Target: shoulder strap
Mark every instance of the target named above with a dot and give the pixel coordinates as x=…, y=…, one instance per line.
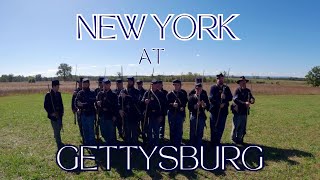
x=177, y=96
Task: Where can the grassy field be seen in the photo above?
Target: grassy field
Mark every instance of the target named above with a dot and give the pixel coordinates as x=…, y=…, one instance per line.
x=286, y=126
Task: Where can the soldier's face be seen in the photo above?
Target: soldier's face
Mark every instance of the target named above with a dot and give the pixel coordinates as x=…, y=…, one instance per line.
x=119, y=85
x=55, y=88
x=242, y=84
x=177, y=86
x=198, y=88
x=107, y=86
x=130, y=83
x=154, y=86
x=139, y=85
x=220, y=80
x=85, y=85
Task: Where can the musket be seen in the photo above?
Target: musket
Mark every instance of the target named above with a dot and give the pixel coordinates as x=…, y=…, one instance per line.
x=75, y=114
x=122, y=117
x=198, y=112
x=175, y=109
x=146, y=111
x=249, y=95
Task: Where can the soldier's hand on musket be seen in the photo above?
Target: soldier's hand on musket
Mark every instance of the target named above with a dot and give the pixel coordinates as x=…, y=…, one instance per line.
x=222, y=105
x=99, y=103
x=252, y=101
x=223, y=96
x=123, y=95
x=79, y=104
x=247, y=104
x=175, y=104
x=203, y=104
x=122, y=113
x=181, y=109
x=147, y=101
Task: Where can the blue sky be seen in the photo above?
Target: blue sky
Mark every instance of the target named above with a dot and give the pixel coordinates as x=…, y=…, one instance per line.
x=278, y=38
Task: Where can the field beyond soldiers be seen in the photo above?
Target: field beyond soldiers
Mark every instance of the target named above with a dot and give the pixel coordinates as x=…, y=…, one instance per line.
x=285, y=122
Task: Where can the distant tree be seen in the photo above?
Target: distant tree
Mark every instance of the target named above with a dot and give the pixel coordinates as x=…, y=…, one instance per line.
x=64, y=70
x=10, y=78
x=38, y=77
x=31, y=80
x=313, y=76
x=119, y=74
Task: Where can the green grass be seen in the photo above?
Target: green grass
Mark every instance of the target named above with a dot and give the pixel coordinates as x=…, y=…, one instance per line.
x=287, y=127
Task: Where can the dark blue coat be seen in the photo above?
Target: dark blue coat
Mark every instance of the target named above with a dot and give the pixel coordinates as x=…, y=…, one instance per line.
x=215, y=99
x=179, y=97
x=57, y=103
x=109, y=104
x=88, y=98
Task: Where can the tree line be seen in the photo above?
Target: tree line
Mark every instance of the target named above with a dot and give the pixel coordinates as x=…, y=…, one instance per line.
x=64, y=73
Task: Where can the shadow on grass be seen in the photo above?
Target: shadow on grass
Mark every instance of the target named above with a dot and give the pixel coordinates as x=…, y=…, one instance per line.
x=118, y=159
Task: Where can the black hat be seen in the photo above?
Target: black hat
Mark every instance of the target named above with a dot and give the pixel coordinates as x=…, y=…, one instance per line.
x=55, y=83
x=139, y=82
x=242, y=78
x=176, y=81
x=80, y=80
x=85, y=80
x=100, y=79
x=160, y=81
x=198, y=80
x=154, y=81
x=106, y=81
x=119, y=80
x=219, y=75
x=130, y=78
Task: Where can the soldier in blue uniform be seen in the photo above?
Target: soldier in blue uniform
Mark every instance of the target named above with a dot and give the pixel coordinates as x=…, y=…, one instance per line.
x=119, y=87
x=154, y=101
x=54, y=106
x=74, y=108
x=220, y=96
x=177, y=101
x=107, y=103
x=85, y=102
x=164, y=111
x=197, y=104
x=141, y=107
x=130, y=111
x=243, y=98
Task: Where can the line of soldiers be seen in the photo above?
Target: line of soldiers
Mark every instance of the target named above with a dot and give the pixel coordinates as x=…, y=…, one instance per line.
x=137, y=111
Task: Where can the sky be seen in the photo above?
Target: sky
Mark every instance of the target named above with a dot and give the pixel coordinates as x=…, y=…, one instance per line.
x=278, y=38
